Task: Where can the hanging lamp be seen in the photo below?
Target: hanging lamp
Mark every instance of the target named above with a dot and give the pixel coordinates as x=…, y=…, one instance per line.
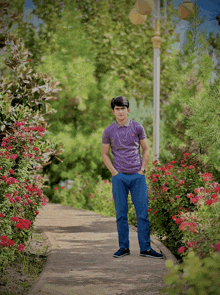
x=136, y=18
x=144, y=6
x=186, y=10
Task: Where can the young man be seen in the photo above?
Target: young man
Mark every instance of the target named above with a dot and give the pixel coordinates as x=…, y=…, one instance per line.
x=124, y=137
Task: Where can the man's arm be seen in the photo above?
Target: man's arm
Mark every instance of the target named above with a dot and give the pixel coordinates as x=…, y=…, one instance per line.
x=106, y=159
x=145, y=155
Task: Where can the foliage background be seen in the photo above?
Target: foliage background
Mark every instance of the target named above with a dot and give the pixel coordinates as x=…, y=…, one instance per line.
x=96, y=53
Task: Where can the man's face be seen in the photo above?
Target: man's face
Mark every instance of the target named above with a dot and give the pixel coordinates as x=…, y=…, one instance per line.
x=121, y=113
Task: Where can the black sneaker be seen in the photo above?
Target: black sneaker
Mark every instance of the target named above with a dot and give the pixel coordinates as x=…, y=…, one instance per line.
x=151, y=253
x=122, y=252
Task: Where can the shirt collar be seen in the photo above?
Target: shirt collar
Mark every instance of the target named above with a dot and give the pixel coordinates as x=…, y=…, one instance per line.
x=126, y=124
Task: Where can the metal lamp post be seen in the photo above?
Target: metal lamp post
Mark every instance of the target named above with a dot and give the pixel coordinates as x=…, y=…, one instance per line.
x=156, y=45
x=142, y=8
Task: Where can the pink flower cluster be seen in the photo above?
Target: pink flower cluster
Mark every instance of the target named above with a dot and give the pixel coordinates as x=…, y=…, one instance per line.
x=21, y=223
x=207, y=196
x=5, y=242
x=9, y=180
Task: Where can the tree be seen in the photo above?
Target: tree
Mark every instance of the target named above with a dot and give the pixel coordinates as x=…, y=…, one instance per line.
x=191, y=120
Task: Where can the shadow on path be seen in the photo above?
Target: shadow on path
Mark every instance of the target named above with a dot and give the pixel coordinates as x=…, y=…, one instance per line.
x=81, y=258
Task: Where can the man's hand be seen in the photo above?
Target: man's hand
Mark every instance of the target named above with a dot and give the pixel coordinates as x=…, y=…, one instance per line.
x=115, y=173
x=141, y=172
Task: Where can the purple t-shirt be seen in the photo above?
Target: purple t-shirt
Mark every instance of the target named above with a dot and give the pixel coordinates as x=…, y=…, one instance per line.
x=125, y=144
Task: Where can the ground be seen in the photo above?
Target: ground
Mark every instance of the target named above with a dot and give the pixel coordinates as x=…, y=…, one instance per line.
x=21, y=275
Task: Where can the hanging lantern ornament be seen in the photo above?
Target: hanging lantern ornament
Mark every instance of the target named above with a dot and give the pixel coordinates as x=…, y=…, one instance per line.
x=186, y=10
x=145, y=6
x=136, y=18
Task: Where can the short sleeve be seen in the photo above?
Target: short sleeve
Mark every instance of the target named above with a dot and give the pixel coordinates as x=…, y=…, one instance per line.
x=105, y=137
x=141, y=132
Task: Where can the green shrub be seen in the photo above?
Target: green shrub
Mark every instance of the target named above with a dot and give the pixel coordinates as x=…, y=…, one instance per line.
x=82, y=157
x=102, y=200
x=75, y=193
x=195, y=276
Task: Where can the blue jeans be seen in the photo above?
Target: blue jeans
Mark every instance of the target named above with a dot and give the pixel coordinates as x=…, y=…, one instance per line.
x=136, y=183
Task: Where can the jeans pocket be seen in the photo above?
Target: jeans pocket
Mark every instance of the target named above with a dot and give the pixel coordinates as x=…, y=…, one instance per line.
x=116, y=175
x=141, y=174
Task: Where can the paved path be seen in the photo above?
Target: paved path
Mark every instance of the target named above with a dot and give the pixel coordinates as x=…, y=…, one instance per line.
x=81, y=258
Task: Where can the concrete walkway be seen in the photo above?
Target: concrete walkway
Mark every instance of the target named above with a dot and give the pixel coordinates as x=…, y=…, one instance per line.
x=81, y=258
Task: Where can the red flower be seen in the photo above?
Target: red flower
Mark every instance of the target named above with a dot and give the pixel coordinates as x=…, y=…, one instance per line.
x=21, y=248
x=11, y=243
x=19, y=225
x=11, y=171
x=36, y=212
x=181, y=250
x=149, y=209
x=14, y=219
x=165, y=189
x=181, y=181
x=4, y=238
x=191, y=244
x=56, y=188
x=173, y=162
x=186, y=155
x=18, y=198
x=63, y=187
x=35, y=148
x=217, y=247
x=214, y=196
x=217, y=189
x=91, y=196
x=154, y=179
x=178, y=220
x=174, y=217
x=155, y=212
x=190, y=195
x=154, y=162
x=190, y=225
x=2, y=215
x=209, y=202
x=177, y=196
x=12, y=200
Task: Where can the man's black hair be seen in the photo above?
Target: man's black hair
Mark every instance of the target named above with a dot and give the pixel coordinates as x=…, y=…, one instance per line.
x=119, y=101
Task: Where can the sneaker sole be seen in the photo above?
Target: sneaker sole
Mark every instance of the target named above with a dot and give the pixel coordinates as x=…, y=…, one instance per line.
x=116, y=256
x=145, y=255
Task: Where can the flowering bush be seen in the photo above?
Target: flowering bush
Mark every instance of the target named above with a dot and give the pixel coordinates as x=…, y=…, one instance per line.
x=22, y=151
x=201, y=228
x=170, y=184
